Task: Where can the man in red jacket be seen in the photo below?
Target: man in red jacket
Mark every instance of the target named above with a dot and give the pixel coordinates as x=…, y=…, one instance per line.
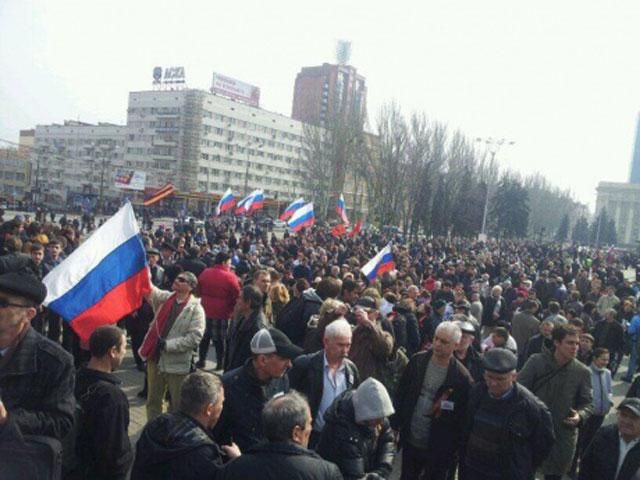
x=219, y=290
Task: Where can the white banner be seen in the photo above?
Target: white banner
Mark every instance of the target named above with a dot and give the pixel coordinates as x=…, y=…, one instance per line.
x=232, y=88
x=131, y=180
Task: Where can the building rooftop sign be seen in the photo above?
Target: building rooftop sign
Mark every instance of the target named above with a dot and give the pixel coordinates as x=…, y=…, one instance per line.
x=235, y=89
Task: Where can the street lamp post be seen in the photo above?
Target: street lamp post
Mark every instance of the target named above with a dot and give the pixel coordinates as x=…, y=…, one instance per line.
x=493, y=146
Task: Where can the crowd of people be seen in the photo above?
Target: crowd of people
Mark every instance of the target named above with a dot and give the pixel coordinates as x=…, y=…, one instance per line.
x=485, y=360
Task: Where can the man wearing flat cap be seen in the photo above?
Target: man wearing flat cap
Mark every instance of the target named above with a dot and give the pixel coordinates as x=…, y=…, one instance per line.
x=508, y=431
x=36, y=374
x=615, y=449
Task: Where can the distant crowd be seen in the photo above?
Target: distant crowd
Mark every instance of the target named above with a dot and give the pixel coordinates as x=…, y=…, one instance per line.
x=489, y=360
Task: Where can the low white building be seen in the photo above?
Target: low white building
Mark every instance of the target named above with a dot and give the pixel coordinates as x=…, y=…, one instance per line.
x=76, y=160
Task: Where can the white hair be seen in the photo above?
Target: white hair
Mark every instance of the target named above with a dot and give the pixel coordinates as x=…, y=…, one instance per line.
x=451, y=329
x=338, y=328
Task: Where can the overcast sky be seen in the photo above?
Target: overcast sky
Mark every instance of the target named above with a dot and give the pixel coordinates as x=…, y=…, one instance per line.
x=560, y=78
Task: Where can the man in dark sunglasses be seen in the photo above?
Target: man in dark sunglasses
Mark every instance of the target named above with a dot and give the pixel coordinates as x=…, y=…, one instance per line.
x=36, y=374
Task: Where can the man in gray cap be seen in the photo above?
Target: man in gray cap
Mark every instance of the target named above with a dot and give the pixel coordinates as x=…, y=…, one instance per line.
x=357, y=435
x=465, y=351
x=508, y=432
x=615, y=450
x=249, y=387
x=36, y=374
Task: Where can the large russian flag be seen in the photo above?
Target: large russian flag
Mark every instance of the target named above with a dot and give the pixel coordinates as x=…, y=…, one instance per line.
x=382, y=262
x=303, y=217
x=341, y=210
x=104, y=279
x=293, y=206
x=227, y=202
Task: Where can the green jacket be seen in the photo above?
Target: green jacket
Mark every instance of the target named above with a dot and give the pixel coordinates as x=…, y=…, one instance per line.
x=561, y=389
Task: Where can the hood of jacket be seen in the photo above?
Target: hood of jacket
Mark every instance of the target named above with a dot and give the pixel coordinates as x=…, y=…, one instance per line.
x=341, y=410
x=310, y=295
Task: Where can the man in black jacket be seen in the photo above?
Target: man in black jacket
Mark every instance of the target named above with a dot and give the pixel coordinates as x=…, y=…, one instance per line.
x=508, y=431
x=103, y=448
x=250, y=387
x=287, y=427
x=324, y=375
x=430, y=407
x=602, y=459
x=178, y=445
x=36, y=375
x=249, y=318
x=357, y=436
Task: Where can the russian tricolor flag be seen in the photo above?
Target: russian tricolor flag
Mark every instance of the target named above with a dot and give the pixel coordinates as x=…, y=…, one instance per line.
x=249, y=204
x=227, y=202
x=293, y=206
x=341, y=210
x=382, y=262
x=255, y=203
x=104, y=279
x=302, y=217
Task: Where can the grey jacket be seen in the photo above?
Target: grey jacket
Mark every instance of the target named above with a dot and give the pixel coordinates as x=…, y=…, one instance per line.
x=184, y=336
x=561, y=389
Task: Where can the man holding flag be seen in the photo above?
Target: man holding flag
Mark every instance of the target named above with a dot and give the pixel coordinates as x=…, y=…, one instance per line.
x=170, y=342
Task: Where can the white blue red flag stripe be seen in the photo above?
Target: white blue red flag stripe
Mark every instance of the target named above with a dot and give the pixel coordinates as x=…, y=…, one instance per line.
x=104, y=279
x=255, y=202
x=341, y=210
x=382, y=262
x=302, y=217
x=293, y=206
x=227, y=202
x=240, y=205
x=249, y=204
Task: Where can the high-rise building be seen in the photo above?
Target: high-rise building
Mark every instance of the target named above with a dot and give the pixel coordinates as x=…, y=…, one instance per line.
x=634, y=175
x=322, y=92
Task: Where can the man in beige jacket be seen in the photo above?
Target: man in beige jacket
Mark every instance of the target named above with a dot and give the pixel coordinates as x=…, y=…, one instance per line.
x=170, y=343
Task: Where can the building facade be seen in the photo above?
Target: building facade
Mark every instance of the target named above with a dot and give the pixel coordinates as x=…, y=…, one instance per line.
x=622, y=203
x=634, y=174
x=15, y=171
x=323, y=91
x=76, y=162
x=203, y=142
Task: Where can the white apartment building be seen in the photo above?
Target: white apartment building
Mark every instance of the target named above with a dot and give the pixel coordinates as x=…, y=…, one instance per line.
x=75, y=160
x=203, y=142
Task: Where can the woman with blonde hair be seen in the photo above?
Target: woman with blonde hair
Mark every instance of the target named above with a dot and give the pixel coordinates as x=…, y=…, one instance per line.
x=279, y=296
x=330, y=310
